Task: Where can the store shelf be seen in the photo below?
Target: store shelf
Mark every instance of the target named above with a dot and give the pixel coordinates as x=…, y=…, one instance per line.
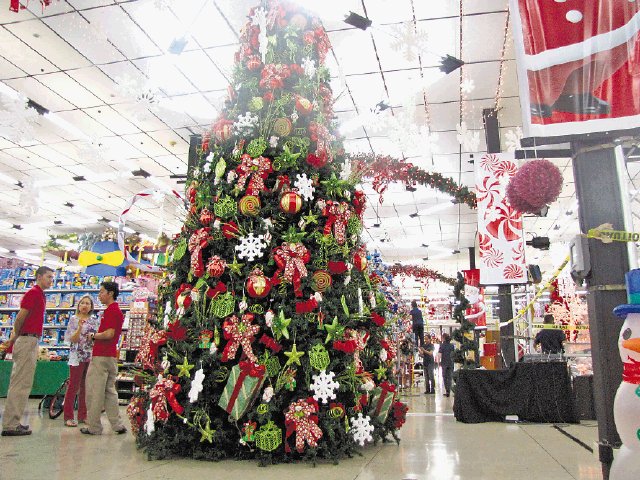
x=57, y=309
x=63, y=290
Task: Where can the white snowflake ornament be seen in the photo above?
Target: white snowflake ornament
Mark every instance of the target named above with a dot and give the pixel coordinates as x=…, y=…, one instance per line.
x=305, y=186
x=512, y=139
x=268, y=318
x=410, y=38
x=323, y=386
x=196, y=386
x=468, y=139
x=149, y=425
x=267, y=394
x=309, y=67
x=260, y=19
x=251, y=247
x=383, y=355
x=361, y=429
x=467, y=85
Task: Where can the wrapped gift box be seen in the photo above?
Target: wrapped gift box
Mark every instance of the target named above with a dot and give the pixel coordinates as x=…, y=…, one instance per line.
x=381, y=401
x=243, y=386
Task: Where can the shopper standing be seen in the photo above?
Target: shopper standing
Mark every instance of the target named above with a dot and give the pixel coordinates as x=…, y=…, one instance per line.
x=428, y=364
x=27, y=329
x=80, y=327
x=417, y=323
x=446, y=362
x=550, y=339
x=103, y=368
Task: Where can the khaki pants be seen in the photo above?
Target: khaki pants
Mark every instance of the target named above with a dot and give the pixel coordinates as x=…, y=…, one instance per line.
x=101, y=393
x=25, y=355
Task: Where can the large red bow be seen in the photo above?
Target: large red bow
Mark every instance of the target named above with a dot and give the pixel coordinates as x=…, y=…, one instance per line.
x=291, y=259
x=165, y=390
x=239, y=332
x=301, y=419
x=256, y=170
x=338, y=214
x=151, y=341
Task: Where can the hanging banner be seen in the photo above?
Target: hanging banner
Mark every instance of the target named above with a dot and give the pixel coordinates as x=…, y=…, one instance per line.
x=578, y=65
x=500, y=235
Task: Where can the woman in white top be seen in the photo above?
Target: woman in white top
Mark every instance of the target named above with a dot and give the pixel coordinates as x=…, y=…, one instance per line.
x=80, y=326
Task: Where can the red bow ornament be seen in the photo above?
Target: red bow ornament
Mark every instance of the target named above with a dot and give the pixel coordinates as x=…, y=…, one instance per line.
x=360, y=338
x=301, y=418
x=165, y=390
x=199, y=240
x=151, y=341
x=274, y=75
x=256, y=170
x=338, y=214
x=239, y=332
x=291, y=259
x=323, y=138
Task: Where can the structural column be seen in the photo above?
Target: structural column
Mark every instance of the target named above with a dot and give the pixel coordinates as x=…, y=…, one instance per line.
x=600, y=201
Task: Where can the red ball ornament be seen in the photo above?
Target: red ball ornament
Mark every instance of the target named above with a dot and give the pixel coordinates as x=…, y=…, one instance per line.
x=205, y=217
x=258, y=286
x=290, y=202
x=303, y=106
x=536, y=183
x=359, y=261
x=216, y=266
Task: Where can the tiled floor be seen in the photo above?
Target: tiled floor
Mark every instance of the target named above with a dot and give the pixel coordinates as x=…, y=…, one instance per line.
x=434, y=446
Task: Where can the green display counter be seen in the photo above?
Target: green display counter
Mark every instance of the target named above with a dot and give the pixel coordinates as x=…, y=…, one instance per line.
x=49, y=376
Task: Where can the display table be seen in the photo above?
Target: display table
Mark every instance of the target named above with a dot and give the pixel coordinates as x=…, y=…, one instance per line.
x=535, y=392
x=48, y=377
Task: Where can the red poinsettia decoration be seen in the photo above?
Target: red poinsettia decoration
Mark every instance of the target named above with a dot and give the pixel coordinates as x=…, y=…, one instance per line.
x=536, y=184
x=399, y=411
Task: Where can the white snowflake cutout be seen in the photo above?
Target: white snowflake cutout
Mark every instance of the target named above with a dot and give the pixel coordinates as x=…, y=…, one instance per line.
x=149, y=425
x=309, y=67
x=361, y=429
x=410, y=38
x=251, y=247
x=512, y=139
x=467, y=85
x=260, y=19
x=305, y=186
x=323, y=386
x=468, y=139
x=196, y=386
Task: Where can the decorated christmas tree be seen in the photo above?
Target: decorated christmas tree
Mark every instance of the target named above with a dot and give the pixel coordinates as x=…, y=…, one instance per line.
x=272, y=343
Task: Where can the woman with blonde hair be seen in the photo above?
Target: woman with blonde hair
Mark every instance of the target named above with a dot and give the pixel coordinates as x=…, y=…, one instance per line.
x=81, y=325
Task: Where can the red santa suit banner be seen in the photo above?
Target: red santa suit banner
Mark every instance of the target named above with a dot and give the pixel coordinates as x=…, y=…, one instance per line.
x=578, y=65
x=500, y=236
x=475, y=295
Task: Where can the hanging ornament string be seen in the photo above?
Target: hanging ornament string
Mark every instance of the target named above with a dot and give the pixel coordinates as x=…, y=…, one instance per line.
x=420, y=272
x=145, y=267
x=384, y=169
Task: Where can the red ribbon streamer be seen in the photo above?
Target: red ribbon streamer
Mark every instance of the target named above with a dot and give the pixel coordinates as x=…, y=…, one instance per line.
x=631, y=371
x=247, y=369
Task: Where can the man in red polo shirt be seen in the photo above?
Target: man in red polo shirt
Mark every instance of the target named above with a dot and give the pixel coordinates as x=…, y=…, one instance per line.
x=103, y=368
x=27, y=329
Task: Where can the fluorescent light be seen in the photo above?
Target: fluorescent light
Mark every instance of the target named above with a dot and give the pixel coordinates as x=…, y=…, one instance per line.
x=8, y=91
x=5, y=224
x=436, y=208
x=28, y=251
x=8, y=178
x=4, y=250
x=60, y=122
x=159, y=184
x=51, y=182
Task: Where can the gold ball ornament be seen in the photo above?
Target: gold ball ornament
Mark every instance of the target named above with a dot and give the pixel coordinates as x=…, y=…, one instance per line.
x=303, y=106
x=258, y=286
x=249, y=205
x=290, y=202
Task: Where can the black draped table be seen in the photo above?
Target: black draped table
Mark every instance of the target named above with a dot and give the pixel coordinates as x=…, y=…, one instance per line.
x=535, y=392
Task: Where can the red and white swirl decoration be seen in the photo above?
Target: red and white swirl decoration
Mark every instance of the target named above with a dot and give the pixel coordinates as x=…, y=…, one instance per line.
x=144, y=267
x=500, y=235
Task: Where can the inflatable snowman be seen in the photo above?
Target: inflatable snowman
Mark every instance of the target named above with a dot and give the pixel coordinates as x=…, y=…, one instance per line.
x=626, y=408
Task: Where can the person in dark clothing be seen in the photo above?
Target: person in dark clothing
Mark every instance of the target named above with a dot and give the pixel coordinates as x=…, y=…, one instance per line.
x=428, y=363
x=550, y=339
x=417, y=323
x=446, y=362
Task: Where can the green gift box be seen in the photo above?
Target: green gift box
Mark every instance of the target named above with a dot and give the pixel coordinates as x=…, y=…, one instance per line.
x=242, y=388
x=381, y=401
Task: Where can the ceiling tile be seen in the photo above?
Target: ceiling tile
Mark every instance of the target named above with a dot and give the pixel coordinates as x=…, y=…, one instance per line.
x=111, y=119
x=69, y=89
x=36, y=91
x=16, y=52
x=9, y=70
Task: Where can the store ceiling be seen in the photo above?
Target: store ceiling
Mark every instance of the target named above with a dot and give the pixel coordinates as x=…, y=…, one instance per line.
x=119, y=102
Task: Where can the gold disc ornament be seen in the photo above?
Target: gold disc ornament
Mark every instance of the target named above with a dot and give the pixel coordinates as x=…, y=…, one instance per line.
x=249, y=205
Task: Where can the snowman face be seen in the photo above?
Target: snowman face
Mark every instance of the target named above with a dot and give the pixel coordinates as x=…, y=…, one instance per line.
x=629, y=340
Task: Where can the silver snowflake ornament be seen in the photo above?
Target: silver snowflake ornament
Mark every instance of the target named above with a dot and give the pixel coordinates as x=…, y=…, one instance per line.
x=361, y=429
x=324, y=386
x=410, y=38
x=251, y=247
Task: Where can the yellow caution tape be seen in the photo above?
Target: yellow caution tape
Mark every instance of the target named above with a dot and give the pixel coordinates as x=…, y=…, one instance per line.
x=560, y=327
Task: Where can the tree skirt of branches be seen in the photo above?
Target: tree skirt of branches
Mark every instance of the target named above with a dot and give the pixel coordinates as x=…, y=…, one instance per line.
x=384, y=169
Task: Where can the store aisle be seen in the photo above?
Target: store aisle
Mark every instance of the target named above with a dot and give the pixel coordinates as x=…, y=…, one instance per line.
x=434, y=447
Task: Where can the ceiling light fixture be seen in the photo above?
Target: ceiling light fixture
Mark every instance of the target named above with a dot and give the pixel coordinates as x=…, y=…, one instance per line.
x=8, y=179
x=413, y=215
x=141, y=173
x=357, y=21
x=450, y=64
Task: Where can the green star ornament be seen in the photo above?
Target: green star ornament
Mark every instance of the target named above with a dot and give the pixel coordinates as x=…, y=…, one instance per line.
x=310, y=218
x=235, y=267
x=184, y=370
x=381, y=372
x=294, y=356
x=334, y=329
x=207, y=433
x=281, y=326
x=334, y=186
